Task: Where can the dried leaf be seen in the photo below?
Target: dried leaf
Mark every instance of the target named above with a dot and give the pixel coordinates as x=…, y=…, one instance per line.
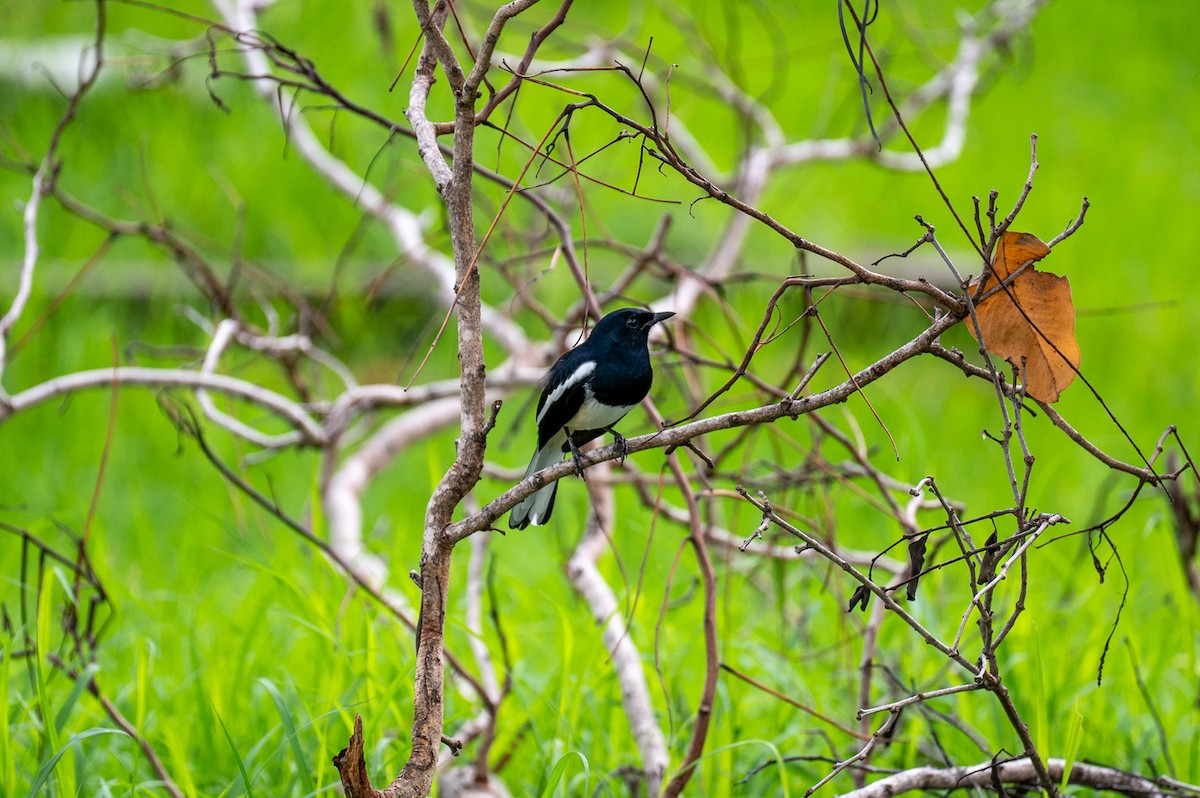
x=1031, y=321
x=991, y=556
x=860, y=596
x=916, y=561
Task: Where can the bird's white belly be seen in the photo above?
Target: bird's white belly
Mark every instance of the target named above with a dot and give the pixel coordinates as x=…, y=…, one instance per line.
x=594, y=415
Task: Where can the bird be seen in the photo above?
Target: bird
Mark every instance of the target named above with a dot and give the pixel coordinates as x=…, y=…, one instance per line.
x=586, y=392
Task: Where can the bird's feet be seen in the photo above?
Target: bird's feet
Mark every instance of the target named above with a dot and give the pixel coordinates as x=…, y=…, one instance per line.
x=622, y=444
x=579, y=458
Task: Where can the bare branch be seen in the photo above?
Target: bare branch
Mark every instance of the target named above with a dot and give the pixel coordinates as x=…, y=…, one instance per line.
x=861, y=755
x=291, y=412
x=1016, y=772
x=1044, y=524
x=43, y=180
x=418, y=94
x=919, y=697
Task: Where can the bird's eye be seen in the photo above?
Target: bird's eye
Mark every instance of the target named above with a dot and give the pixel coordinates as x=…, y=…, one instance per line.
x=631, y=322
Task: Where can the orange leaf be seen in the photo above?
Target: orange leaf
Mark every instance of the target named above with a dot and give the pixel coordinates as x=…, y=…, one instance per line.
x=1029, y=322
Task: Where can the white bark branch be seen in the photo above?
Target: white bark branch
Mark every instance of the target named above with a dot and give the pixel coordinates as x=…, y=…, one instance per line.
x=292, y=412
x=89, y=71
x=418, y=95
x=1018, y=771
x=403, y=225
x=225, y=333
x=342, y=497
x=474, y=618
x=28, y=265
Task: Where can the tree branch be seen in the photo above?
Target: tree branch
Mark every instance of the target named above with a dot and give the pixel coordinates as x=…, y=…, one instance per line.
x=1017, y=772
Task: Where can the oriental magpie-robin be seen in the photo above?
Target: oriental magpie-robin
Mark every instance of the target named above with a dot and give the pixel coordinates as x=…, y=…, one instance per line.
x=587, y=391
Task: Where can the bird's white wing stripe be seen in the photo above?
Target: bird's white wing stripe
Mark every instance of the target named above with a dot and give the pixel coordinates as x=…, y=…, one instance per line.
x=579, y=375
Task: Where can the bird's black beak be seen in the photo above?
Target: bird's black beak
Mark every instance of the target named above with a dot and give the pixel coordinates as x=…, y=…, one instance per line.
x=657, y=317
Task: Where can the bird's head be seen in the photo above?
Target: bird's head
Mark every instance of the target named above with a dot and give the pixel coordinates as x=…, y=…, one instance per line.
x=629, y=323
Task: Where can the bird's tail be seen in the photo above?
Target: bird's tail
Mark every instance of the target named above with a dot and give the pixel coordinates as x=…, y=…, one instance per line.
x=536, y=508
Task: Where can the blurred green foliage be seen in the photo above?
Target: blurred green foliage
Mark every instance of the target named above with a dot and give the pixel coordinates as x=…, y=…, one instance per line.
x=221, y=613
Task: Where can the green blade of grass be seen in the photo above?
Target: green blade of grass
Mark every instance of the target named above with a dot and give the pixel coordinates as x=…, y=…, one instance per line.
x=291, y=736
x=1042, y=724
x=1074, y=739
x=236, y=755
x=48, y=766
x=8, y=770
x=560, y=770
x=177, y=747
x=81, y=683
x=42, y=631
x=142, y=665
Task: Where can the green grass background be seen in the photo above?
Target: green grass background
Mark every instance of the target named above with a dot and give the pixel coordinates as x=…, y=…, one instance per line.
x=237, y=651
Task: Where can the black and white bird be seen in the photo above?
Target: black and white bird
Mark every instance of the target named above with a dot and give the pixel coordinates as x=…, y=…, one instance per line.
x=587, y=391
